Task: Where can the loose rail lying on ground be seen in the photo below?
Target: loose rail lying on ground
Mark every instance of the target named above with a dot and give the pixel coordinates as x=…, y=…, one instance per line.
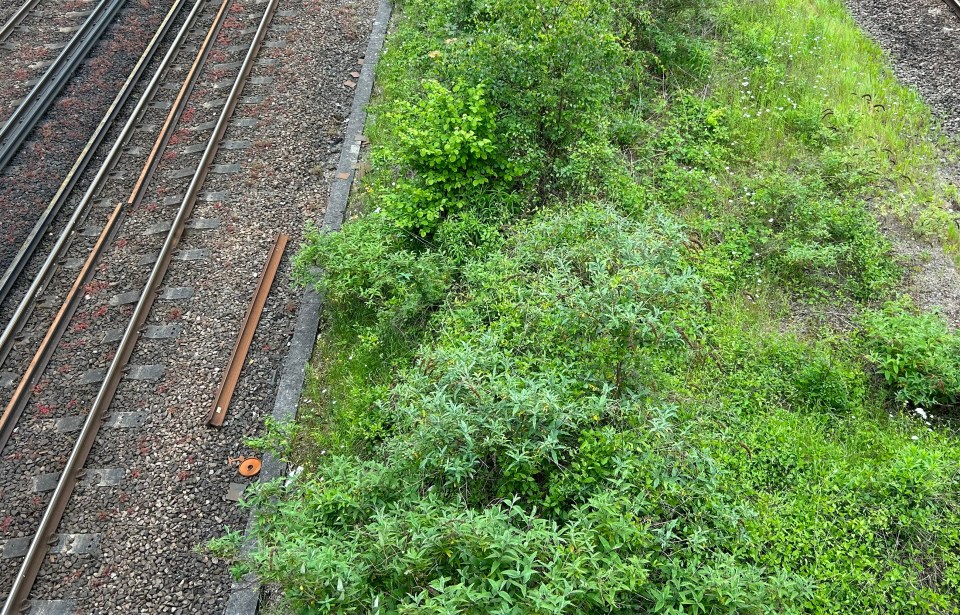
x=239, y=354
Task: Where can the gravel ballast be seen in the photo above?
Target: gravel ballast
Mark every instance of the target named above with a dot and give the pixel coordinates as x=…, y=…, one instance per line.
x=174, y=471
x=922, y=40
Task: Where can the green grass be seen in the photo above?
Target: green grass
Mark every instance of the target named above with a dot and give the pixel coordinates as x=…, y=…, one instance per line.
x=609, y=336
x=804, y=73
x=347, y=373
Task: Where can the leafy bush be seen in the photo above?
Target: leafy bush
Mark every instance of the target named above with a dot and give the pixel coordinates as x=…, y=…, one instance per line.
x=782, y=371
x=366, y=536
x=792, y=227
x=542, y=62
x=447, y=152
x=589, y=288
x=549, y=74
x=371, y=265
x=494, y=406
x=917, y=355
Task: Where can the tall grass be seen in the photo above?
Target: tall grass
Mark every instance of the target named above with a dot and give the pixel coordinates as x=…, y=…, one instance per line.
x=804, y=71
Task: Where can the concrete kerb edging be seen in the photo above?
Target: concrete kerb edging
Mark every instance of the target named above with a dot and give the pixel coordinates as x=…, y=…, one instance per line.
x=245, y=594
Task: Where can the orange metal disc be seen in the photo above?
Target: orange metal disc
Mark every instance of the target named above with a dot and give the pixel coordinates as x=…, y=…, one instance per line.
x=250, y=467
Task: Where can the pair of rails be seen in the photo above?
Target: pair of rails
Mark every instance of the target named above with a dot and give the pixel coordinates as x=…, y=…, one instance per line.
x=12, y=135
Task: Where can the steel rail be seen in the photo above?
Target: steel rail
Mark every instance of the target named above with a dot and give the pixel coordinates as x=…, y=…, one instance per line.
x=238, y=356
x=21, y=395
x=179, y=104
x=954, y=5
x=11, y=24
x=94, y=419
x=29, y=247
x=43, y=94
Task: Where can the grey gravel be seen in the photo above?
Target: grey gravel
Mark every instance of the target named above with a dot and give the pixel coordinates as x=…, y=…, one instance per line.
x=178, y=472
x=922, y=40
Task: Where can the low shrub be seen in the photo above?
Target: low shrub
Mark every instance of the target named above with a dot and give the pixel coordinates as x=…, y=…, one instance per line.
x=370, y=537
x=915, y=353
x=779, y=370
x=372, y=265
x=446, y=152
x=820, y=243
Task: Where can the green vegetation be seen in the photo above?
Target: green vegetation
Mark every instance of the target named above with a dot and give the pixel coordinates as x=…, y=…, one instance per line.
x=916, y=354
x=611, y=333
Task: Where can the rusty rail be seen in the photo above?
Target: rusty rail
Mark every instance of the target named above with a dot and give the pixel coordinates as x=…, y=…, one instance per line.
x=14, y=408
x=179, y=104
x=238, y=357
x=39, y=545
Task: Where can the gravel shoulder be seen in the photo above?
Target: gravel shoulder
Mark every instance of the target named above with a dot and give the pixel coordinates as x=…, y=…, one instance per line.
x=922, y=40
x=174, y=472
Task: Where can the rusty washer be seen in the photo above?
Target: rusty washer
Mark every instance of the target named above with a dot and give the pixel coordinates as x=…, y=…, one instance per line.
x=250, y=467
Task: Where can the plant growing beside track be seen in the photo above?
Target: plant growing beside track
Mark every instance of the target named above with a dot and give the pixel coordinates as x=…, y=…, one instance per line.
x=637, y=363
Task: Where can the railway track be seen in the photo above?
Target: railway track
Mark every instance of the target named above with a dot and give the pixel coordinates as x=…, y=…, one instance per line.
x=25, y=308
x=14, y=132
x=16, y=19
x=66, y=136
x=30, y=39
x=130, y=221
x=28, y=248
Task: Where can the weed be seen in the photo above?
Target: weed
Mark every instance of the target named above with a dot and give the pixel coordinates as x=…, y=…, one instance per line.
x=916, y=354
x=578, y=355
x=226, y=546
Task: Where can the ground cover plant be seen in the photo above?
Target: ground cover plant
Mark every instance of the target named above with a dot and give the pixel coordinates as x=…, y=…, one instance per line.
x=615, y=329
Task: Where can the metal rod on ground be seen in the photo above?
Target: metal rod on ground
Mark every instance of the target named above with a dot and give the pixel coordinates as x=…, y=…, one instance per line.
x=26, y=116
x=29, y=246
x=238, y=356
x=39, y=545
